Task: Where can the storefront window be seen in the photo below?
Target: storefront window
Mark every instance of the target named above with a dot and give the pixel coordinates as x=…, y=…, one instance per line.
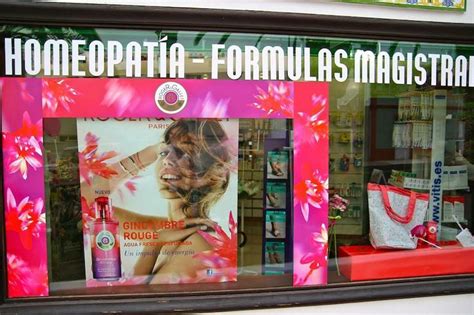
x=232, y=161
x=208, y=167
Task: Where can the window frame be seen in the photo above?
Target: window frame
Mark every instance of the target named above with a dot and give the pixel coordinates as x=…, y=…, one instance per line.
x=138, y=17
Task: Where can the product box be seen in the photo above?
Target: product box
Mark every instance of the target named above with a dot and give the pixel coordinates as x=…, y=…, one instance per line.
x=408, y=180
x=359, y=263
x=416, y=183
x=277, y=165
x=275, y=224
x=453, y=205
x=276, y=195
x=274, y=254
x=455, y=177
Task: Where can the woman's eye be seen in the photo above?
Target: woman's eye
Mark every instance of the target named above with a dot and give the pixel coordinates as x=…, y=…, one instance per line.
x=179, y=153
x=163, y=153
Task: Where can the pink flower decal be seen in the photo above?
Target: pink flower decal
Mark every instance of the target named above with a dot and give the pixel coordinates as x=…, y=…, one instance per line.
x=223, y=257
x=57, y=94
x=24, y=152
x=121, y=96
x=211, y=108
x=25, y=218
x=130, y=186
x=25, y=92
x=91, y=163
x=88, y=214
x=28, y=129
x=39, y=281
x=19, y=275
x=311, y=128
x=23, y=89
x=23, y=280
x=318, y=257
x=23, y=147
x=312, y=191
x=277, y=99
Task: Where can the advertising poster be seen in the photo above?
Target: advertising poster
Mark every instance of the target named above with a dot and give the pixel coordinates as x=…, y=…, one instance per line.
x=456, y=5
x=275, y=254
x=277, y=165
x=276, y=195
x=275, y=224
x=160, y=200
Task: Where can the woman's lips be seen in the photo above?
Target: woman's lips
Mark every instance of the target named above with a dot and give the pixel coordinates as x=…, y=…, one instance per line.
x=168, y=177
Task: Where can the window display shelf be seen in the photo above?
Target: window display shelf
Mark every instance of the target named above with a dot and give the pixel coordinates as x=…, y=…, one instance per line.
x=349, y=174
x=437, y=108
x=347, y=147
x=348, y=229
x=464, y=221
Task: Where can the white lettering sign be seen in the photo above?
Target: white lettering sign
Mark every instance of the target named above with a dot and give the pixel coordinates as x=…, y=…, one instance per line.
x=78, y=58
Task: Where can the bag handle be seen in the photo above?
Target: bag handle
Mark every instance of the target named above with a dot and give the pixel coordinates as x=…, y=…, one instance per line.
x=392, y=214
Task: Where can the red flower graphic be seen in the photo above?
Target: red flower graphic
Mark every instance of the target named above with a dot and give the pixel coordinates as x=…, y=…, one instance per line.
x=276, y=99
x=25, y=218
x=222, y=259
x=25, y=91
x=23, y=147
x=24, y=280
x=318, y=258
x=88, y=214
x=311, y=128
x=29, y=129
x=19, y=275
x=130, y=186
x=91, y=163
x=13, y=212
x=57, y=94
x=312, y=191
x=121, y=96
x=39, y=281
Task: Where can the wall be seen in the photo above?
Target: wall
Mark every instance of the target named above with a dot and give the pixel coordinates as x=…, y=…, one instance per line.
x=440, y=305
x=309, y=6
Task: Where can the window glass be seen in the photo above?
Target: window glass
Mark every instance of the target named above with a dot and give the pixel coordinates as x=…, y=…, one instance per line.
x=206, y=204
x=160, y=180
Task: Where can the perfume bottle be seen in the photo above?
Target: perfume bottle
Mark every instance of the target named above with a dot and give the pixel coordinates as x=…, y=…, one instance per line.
x=105, y=243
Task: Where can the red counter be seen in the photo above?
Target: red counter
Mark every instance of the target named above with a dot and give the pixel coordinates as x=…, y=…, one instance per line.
x=366, y=263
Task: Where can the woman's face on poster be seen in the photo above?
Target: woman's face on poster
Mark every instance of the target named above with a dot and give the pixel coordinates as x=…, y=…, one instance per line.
x=178, y=171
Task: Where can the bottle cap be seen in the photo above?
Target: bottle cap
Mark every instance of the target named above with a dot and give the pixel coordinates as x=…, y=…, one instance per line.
x=102, y=208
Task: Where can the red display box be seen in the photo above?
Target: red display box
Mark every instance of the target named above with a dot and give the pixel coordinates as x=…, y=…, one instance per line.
x=366, y=263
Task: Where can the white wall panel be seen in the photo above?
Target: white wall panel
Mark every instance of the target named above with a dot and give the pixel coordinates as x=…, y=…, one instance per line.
x=308, y=6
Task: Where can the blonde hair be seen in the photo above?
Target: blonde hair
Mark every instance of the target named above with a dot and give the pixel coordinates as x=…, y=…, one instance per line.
x=211, y=159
